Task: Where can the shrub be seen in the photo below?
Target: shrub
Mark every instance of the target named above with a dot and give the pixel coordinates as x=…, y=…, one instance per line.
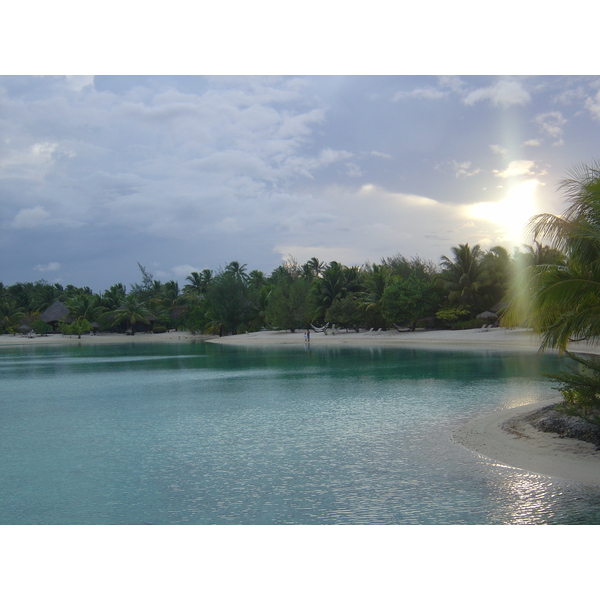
x=41, y=327
x=159, y=329
x=580, y=388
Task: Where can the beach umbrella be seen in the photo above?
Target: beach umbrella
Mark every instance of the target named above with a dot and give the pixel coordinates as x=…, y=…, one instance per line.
x=487, y=315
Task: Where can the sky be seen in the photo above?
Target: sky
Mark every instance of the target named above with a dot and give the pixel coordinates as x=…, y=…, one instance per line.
x=183, y=173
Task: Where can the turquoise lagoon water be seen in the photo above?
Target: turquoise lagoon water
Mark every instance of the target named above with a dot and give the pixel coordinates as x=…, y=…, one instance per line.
x=207, y=434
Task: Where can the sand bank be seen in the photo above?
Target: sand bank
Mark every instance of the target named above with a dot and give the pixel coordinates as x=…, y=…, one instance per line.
x=521, y=445
x=176, y=337
x=497, y=338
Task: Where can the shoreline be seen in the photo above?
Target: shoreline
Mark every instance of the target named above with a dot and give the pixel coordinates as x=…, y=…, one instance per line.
x=516, y=339
x=507, y=437
x=57, y=339
x=521, y=445
x=470, y=339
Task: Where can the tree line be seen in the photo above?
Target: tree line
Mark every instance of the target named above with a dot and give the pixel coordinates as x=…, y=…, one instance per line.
x=397, y=292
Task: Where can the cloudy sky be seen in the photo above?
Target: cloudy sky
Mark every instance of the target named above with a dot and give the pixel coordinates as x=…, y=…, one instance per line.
x=192, y=172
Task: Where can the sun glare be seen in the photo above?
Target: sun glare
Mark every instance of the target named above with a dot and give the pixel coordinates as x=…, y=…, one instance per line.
x=510, y=214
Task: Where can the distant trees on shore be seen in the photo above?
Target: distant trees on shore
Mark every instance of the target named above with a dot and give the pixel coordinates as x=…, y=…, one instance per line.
x=398, y=291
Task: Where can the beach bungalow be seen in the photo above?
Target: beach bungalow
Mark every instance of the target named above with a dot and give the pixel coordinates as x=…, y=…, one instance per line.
x=54, y=314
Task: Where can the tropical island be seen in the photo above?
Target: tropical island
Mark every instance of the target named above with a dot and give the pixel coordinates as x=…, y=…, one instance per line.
x=542, y=297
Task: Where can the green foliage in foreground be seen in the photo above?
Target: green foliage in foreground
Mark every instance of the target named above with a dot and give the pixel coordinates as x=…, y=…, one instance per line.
x=580, y=388
x=566, y=298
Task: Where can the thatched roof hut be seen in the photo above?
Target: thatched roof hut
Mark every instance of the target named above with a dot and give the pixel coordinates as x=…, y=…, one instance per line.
x=55, y=313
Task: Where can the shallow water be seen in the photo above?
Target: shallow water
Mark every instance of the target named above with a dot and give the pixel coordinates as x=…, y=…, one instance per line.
x=208, y=434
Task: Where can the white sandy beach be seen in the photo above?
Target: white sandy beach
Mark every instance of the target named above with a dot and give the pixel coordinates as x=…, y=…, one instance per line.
x=497, y=338
x=524, y=447
x=56, y=339
x=527, y=448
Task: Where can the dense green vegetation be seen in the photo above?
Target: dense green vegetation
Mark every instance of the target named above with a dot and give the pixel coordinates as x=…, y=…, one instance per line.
x=400, y=292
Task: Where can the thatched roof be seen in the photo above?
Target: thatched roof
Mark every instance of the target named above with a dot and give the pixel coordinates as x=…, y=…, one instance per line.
x=486, y=314
x=57, y=312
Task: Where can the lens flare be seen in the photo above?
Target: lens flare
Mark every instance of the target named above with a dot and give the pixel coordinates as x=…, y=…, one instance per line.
x=510, y=215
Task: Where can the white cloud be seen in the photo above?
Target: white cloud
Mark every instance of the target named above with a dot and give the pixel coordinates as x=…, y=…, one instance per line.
x=306, y=165
x=386, y=223
x=380, y=154
x=496, y=149
x=30, y=218
x=52, y=266
x=182, y=271
x=456, y=84
x=515, y=168
x=462, y=169
x=427, y=93
x=593, y=106
x=353, y=170
x=568, y=96
x=532, y=142
x=328, y=156
x=78, y=82
x=551, y=124
x=503, y=93
x=31, y=162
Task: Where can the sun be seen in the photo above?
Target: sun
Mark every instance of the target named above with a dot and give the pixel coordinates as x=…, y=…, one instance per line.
x=511, y=214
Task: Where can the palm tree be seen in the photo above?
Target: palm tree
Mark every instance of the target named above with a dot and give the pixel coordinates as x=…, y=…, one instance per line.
x=331, y=285
x=463, y=277
x=132, y=311
x=539, y=254
x=85, y=306
x=527, y=266
x=170, y=305
x=45, y=295
x=256, y=279
x=10, y=314
x=114, y=296
x=566, y=301
x=84, y=309
x=21, y=293
x=239, y=271
x=315, y=266
x=195, y=287
x=497, y=267
x=375, y=280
